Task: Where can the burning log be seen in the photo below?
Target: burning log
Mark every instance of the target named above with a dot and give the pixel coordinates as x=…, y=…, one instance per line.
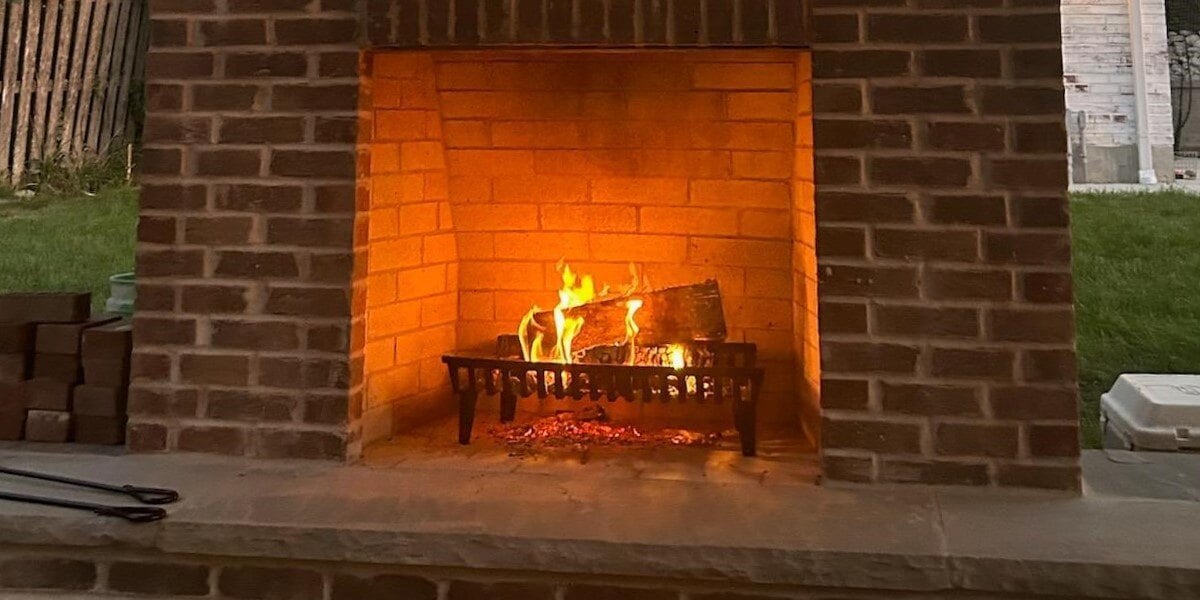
x=691, y=354
x=668, y=316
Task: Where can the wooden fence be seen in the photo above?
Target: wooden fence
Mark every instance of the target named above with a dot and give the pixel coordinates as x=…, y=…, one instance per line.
x=72, y=79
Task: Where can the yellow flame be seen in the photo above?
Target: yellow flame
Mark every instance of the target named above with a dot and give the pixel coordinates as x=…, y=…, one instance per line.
x=576, y=291
x=523, y=334
x=631, y=328
x=677, y=357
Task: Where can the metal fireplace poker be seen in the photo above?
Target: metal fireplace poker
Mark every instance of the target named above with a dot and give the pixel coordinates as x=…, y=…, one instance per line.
x=713, y=372
x=135, y=514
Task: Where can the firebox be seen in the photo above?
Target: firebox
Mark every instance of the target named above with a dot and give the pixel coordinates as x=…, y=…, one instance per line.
x=655, y=203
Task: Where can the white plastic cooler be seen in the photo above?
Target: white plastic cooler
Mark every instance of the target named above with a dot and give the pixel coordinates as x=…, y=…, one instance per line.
x=1152, y=412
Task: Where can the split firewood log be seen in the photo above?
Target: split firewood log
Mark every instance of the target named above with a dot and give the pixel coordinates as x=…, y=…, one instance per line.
x=671, y=315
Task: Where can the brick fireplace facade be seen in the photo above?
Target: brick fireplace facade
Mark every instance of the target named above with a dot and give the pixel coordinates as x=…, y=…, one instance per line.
x=942, y=251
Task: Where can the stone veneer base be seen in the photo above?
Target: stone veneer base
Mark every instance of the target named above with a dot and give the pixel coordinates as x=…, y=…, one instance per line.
x=443, y=522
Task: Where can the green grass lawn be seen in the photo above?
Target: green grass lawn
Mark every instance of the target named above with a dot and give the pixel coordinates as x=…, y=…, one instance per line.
x=67, y=243
x=1137, y=289
x=1137, y=273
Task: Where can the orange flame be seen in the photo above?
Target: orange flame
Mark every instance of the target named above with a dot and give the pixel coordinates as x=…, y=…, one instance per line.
x=575, y=291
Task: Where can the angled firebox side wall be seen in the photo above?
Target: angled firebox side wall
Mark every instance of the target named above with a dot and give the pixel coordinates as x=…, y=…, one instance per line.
x=807, y=347
x=411, y=286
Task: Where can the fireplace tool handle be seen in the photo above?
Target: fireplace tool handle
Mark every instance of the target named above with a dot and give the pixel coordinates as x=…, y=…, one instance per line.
x=145, y=495
x=133, y=514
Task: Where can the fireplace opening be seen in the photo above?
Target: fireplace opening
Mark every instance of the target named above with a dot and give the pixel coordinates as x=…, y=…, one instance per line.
x=587, y=247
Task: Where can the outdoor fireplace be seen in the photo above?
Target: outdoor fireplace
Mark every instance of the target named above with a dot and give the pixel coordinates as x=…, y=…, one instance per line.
x=336, y=195
x=836, y=247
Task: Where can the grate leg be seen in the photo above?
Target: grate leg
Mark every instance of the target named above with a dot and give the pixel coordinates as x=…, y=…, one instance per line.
x=466, y=415
x=508, y=407
x=746, y=422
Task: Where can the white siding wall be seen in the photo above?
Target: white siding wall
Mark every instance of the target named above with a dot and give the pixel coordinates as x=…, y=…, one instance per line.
x=1098, y=71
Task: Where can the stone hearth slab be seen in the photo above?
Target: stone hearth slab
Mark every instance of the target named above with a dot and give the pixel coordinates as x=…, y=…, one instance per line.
x=762, y=530
x=1116, y=548
x=1161, y=475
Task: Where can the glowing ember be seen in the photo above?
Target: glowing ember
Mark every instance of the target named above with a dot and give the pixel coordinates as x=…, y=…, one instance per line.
x=570, y=429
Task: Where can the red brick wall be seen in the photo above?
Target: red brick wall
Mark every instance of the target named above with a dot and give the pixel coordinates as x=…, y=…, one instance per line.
x=946, y=319
x=107, y=572
x=586, y=23
x=244, y=257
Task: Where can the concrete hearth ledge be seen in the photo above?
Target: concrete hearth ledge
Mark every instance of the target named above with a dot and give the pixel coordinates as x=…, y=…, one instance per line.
x=744, y=524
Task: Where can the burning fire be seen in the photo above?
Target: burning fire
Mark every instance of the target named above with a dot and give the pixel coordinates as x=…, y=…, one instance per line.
x=677, y=357
x=631, y=328
x=576, y=291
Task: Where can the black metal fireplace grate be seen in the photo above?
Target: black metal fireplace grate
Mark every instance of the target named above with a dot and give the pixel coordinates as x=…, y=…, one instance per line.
x=717, y=373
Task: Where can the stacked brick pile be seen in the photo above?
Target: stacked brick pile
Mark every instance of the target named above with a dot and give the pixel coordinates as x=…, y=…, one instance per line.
x=15, y=346
x=63, y=372
x=99, y=407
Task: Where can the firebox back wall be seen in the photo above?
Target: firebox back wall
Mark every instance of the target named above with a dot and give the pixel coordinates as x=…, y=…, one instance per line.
x=487, y=168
